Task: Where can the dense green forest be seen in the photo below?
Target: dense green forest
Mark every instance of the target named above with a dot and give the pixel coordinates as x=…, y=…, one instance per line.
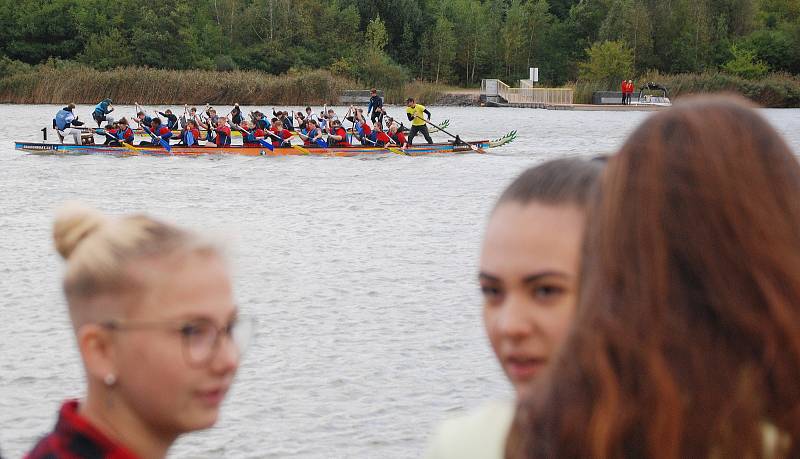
x=388, y=42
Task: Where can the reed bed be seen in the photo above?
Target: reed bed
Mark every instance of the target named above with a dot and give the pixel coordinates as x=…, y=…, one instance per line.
x=78, y=84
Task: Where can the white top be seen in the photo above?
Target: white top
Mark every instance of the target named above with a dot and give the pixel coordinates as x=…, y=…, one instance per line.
x=481, y=434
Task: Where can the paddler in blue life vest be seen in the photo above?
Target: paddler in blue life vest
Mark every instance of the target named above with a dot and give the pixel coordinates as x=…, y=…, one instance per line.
x=375, y=106
x=159, y=131
x=63, y=123
x=124, y=133
x=101, y=112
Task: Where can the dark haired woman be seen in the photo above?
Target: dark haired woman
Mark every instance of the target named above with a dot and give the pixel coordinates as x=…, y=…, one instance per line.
x=686, y=342
x=528, y=276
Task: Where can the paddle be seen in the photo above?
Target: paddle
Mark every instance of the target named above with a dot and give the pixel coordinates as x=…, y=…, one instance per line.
x=124, y=144
x=393, y=150
x=458, y=139
x=296, y=147
x=321, y=143
x=262, y=142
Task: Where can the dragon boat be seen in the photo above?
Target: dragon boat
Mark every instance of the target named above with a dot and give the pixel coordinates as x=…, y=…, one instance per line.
x=423, y=149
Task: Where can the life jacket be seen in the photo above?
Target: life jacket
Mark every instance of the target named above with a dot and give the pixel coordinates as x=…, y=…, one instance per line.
x=101, y=109
x=191, y=137
x=223, y=136
x=126, y=135
x=162, y=132
x=262, y=123
x=63, y=119
x=249, y=137
x=339, y=143
x=311, y=134
x=381, y=138
x=237, y=118
x=398, y=138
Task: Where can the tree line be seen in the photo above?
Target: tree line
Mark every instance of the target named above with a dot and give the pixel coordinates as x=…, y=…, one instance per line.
x=386, y=42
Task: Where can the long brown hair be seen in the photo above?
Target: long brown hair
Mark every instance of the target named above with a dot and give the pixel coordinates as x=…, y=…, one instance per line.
x=687, y=337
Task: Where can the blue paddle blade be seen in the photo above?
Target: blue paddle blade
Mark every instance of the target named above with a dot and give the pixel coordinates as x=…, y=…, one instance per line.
x=266, y=144
x=164, y=144
x=322, y=143
x=189, y=138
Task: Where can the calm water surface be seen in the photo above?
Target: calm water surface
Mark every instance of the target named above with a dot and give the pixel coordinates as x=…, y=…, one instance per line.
x=362, y=273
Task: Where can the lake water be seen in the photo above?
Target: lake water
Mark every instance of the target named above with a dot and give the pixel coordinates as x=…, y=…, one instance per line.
x=361, y=271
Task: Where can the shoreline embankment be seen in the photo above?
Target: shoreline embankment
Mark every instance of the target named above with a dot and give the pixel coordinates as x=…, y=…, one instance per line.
x=60, y=84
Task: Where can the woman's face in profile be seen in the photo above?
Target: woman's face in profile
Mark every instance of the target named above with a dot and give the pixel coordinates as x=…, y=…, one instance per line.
x=528, y=276
x=175, y=362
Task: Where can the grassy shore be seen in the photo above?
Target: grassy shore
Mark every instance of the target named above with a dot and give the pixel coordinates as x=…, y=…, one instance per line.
x=776, y=90
x=56, y=84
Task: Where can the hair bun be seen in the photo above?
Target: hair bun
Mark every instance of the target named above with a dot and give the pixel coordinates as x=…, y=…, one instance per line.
x=74, y=223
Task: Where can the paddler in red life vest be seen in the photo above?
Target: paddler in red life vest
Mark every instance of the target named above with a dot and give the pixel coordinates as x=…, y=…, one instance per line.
x=397, y=136
x=191, y=134
x=250, y=135
x=110, y=132
x=380, y=137
x=280, y=135
x=337, y=136
x=223, y=132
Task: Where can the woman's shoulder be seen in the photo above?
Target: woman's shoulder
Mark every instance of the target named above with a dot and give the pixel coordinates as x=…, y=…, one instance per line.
x=480, y=433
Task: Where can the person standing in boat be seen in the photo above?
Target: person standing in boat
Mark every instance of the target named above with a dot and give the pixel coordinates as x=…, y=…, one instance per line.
x=375, y=106
x=157, y=330
x=101, y=112
x=63, y=122
x=414, y=111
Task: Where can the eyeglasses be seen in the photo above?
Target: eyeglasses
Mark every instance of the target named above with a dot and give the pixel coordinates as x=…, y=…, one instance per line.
x=200, y=338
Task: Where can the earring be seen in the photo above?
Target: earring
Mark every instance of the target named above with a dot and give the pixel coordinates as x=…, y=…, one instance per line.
x=110, y=380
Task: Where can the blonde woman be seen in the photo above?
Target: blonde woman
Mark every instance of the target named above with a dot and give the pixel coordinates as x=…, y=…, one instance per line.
x=158, y=333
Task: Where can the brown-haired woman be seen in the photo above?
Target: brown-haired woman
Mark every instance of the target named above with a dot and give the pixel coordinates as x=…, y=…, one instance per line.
x=687, y=338
x=157, y=329
x=529, y=280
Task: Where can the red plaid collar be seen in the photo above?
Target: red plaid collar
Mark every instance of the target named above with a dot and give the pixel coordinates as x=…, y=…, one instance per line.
x=75, y=437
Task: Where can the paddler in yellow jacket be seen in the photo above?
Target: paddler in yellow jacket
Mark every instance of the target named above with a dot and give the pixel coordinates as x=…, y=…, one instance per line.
x=414, y=111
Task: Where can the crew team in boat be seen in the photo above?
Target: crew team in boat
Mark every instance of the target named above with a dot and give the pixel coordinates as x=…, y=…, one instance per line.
x=325, y=129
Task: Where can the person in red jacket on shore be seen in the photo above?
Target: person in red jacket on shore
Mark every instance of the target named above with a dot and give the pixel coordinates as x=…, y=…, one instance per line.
x=630, y=91
x=624, y=88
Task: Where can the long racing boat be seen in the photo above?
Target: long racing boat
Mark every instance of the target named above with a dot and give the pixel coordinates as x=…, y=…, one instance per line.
x=423, y=149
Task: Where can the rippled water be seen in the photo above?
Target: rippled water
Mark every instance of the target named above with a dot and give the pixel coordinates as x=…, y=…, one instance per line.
x=361, y=272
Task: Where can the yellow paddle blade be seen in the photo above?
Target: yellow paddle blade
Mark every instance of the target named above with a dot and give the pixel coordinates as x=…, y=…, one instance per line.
x=131, y=147
x=396, y=151
x=301, y=149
